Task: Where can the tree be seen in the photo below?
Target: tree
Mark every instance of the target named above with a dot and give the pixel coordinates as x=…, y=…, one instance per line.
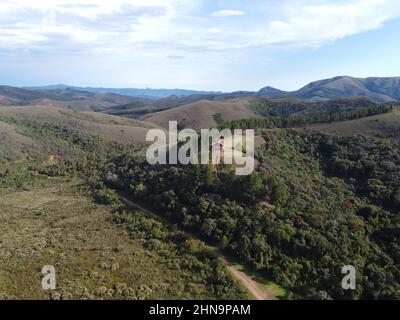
x=278, y=193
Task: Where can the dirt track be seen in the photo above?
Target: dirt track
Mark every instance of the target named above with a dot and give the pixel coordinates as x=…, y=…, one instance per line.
x=244, y=279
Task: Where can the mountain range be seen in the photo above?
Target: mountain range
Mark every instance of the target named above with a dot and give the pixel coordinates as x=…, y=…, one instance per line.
x=377, y=89
x=61, y=97
x=138, y=102
x=147, y=93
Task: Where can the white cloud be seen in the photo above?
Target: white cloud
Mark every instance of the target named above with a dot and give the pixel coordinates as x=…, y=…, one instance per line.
x=227, y=13
x=180, y=25
x=95, y=21
x=316, y=24
x=156, y=36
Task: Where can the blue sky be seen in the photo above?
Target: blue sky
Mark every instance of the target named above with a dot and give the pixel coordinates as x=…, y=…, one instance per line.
x=196, y=44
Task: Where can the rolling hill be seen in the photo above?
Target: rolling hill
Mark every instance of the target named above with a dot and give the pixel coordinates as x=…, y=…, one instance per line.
x=135, y=103
x=147, y=93
x=212, y=113
x=43, y=130
x=62, y=98
x=141, y=108
x=204, y=113
x=380, y=126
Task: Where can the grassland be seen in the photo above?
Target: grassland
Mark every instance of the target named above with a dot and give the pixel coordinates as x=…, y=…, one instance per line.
x=96, y=124
x=380, y=126
x=201, y=114
x=99, y=252
x=37, y=132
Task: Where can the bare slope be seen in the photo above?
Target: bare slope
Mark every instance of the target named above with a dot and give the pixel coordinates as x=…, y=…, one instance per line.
x=204, y=114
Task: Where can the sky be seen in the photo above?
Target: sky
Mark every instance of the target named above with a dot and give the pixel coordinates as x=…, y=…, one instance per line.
x=223, y=45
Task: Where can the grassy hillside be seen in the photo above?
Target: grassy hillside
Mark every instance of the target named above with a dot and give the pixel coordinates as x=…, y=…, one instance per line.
x=42, y=131
x=291, y=107
x=301, y=120
x=146, y=108
x=380, y=126
x=218, y=111
x=204, y=113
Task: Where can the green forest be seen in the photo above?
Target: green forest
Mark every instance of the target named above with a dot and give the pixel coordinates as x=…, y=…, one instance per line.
x=290, y=121
x=315, y=204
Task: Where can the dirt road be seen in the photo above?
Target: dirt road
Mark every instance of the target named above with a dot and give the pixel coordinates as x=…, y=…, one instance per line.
x=243, y=278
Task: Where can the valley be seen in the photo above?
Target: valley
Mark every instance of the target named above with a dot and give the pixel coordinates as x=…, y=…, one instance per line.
x=325, y=193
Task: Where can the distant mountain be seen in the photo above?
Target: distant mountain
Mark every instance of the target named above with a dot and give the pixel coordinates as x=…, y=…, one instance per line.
x=273, y=92
x=11, y=95
x=137, y=102
x=377, y=89
x=63, y=97
x=147, y=93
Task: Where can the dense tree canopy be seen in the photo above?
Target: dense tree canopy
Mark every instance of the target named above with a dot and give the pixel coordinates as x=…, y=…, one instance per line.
x=315, y=204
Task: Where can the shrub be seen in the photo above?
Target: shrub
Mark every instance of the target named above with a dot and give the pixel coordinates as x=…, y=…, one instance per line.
x=107, y=196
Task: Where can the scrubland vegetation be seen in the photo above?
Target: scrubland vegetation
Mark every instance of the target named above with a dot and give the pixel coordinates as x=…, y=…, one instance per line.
x=100, y=251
